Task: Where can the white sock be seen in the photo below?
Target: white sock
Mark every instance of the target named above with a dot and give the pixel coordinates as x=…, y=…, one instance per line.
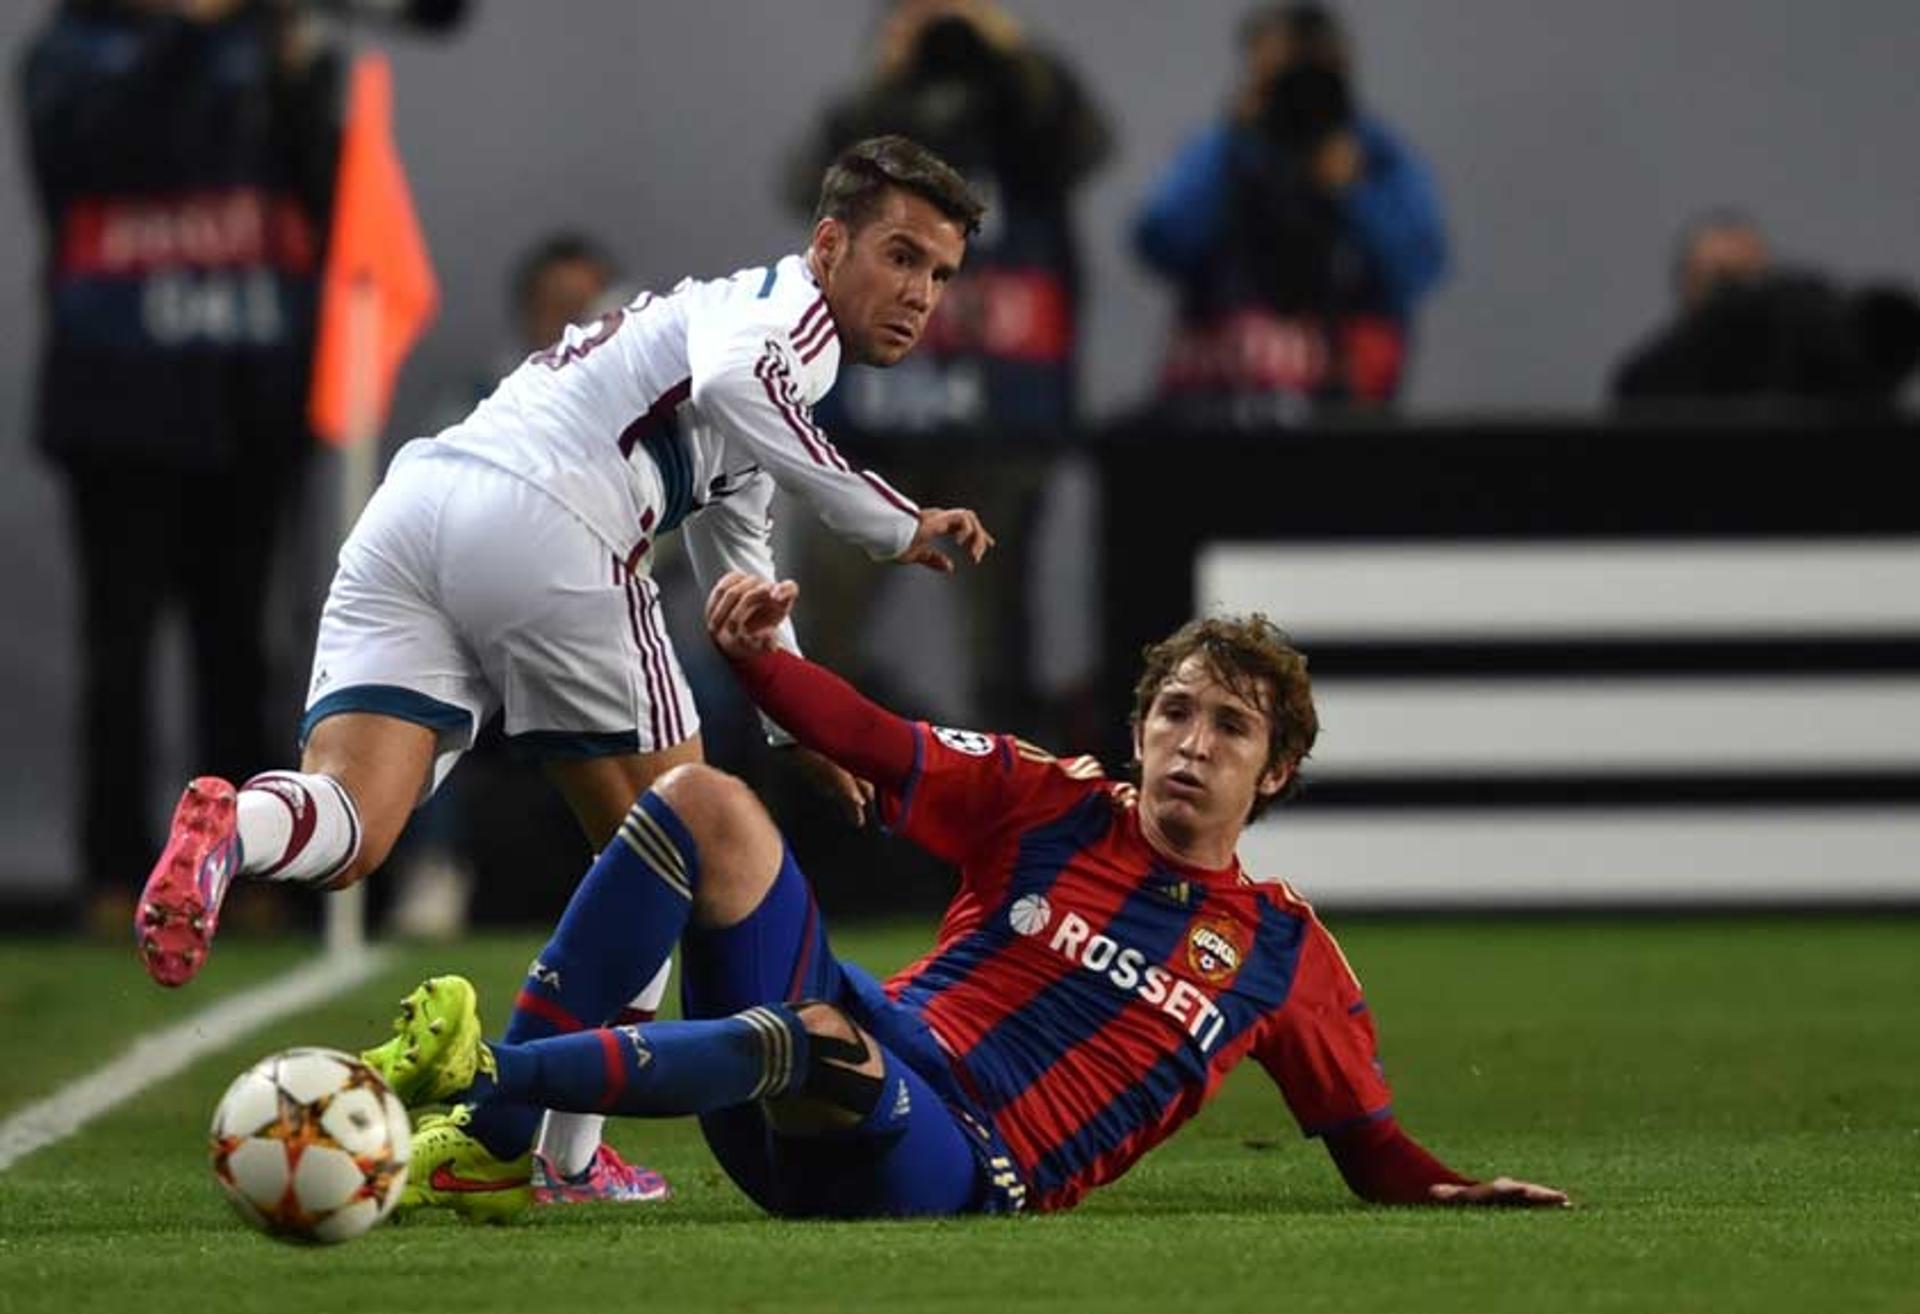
x=648, y=1000
x=568, y=1140
x=294, y=827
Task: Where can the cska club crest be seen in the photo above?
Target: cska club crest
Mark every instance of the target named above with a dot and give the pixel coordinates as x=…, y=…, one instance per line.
x=1215, y=949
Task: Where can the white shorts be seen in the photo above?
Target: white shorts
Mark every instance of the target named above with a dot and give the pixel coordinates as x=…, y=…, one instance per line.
x=463, y=590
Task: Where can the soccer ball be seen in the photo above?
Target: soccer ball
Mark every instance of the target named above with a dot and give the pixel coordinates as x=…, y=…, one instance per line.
x=310, y=1145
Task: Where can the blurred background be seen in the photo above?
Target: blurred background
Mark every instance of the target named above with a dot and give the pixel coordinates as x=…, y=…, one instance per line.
x=1547, y=369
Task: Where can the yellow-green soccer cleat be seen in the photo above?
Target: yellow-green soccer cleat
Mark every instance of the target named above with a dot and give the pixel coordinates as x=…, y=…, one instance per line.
x=452, y=1170
x=436, y=1051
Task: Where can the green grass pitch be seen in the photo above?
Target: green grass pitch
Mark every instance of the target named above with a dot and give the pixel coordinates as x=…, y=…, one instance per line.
x=1734, y=1103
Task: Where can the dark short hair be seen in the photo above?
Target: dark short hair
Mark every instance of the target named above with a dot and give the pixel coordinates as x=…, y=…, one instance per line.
x=561, y=248
x=1255, y=659
x=1313, y=25
x=860, y=177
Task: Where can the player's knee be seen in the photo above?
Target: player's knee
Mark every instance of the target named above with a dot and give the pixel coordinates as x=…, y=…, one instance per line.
x=739, y=848
x=837, y=1039
x=708, y=801
x=845, y=1073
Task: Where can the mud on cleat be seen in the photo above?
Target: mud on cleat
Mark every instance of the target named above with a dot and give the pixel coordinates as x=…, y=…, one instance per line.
x=436, y=1051
x=607, y=1177
x=174, y=922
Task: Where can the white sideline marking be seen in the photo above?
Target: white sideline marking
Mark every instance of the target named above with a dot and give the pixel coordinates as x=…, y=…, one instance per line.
x=156, y=1057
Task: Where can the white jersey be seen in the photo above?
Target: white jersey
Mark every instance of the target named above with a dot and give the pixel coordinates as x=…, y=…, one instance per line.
x=689, y=409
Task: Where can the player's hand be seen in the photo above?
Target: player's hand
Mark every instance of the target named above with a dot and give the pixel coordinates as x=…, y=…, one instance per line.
x=1505, y=1192
x=745, y=612
x=846, y=790
x=959, y=524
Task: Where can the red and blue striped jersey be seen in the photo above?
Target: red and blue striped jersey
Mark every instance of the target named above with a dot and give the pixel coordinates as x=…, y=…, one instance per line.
x=1091, y=993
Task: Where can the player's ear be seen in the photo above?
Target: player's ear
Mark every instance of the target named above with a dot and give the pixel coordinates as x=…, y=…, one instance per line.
x=830, y=241
x=1136, y=739
x=1274, y=780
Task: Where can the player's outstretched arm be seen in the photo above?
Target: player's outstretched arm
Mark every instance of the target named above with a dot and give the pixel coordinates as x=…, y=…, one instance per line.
x=957, y=523
x=1383, y=1164
x=746, y=617
x=745, y=613
x=815, y=706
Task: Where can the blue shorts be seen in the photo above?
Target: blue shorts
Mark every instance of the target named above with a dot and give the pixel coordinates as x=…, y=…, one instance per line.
x=939, y=1157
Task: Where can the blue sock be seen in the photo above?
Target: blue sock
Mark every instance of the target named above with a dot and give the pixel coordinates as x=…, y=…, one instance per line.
x=619, y=927
x=659, y=1069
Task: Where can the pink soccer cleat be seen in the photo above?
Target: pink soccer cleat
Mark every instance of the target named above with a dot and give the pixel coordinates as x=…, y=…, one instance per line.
x=173, y=923
x=607, y=1177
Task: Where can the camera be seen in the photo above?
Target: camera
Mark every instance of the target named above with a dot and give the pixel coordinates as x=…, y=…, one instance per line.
x=1304, y=104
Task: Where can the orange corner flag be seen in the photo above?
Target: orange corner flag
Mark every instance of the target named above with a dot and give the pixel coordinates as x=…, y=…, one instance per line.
x=378, y=292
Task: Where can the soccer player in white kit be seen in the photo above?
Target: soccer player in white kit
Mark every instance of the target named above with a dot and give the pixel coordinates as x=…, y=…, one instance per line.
x=504, y=565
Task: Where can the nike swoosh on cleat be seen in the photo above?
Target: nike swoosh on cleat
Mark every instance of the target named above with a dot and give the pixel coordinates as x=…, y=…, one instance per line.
x=443, y=1178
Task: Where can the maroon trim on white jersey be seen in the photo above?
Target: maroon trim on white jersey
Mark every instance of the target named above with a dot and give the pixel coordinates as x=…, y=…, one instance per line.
x=815, y=341
x=626, y=578
x=892, y=494
x=778, y=381
x=786, y=401
x=673, y=716
x=807, y=322
x=666, y=718
x=656, y=415
x=676, y=715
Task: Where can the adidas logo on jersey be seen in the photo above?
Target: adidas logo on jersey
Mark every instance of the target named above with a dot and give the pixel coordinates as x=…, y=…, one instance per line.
x=1127, y=969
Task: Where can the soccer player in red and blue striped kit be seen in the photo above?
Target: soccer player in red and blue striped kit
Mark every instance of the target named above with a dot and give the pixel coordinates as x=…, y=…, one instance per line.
x=1103, y=966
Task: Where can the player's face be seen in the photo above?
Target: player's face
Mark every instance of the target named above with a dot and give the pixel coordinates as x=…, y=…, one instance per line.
x=1203, y=760
x=1729, y=253
x=566, y=292
x=883, y=281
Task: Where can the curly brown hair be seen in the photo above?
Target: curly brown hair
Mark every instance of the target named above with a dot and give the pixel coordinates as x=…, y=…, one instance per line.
x=1255, y=659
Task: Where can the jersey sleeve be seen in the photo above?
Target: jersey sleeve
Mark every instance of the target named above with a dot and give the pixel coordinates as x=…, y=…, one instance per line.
x=736, y=533
x=967, y=789
x=745, y=377
x=733, y=533
x=1321, y=1049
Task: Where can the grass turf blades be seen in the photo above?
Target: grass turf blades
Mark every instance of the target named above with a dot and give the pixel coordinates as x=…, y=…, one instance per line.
x=1730, y=1101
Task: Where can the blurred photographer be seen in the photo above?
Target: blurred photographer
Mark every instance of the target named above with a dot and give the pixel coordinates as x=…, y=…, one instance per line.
x=183, y=154
x=1745, y=330
x=1300, y=233
x=961, y=78
x=1784, y=337
x=998, y=364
